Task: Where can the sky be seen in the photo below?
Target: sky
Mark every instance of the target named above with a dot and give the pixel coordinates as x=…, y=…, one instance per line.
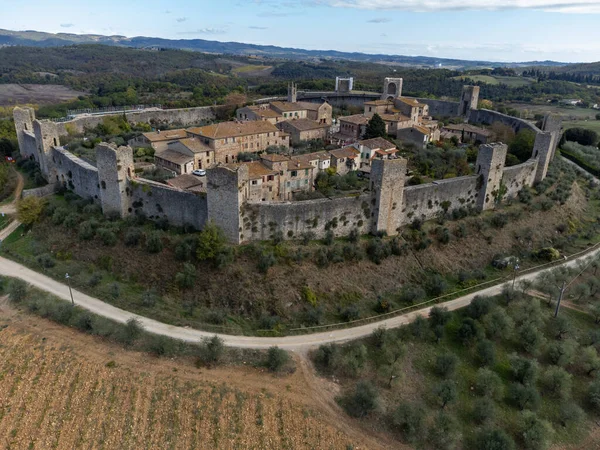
x=493, y=30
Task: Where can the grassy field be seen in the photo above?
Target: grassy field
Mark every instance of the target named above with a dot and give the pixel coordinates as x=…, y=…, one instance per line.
x=567, y=113
x=496, y=80
x=593, y=125
x=62, y=389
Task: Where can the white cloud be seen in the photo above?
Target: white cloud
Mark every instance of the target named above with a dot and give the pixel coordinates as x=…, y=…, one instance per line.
x=577, y=6
x=67, y=25
x=181, y=19
x=207, y=30
x=254, y=27
x=380, y=20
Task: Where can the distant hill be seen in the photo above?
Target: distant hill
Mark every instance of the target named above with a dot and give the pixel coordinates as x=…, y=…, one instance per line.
x=42, y=39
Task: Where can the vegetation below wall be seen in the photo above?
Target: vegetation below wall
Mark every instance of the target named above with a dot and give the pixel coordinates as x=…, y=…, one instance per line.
x=195, y=279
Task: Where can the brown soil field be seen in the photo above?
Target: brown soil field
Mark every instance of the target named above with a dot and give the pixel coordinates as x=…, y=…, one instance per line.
x=63, y=389
x=19, y=94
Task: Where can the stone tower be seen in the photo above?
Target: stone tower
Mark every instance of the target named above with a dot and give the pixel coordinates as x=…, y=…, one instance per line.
x=543, y=149
x=344, y=85
x=553, y=124
x=46, y=135
x=387, y=194
x=468, y=100
x=225, y=190
x=392, y=88
x=489, y=165
x=24, y=118
x=115, y=168
x=292, y=92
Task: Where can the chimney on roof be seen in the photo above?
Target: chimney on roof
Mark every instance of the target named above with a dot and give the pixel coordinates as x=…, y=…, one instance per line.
x=157, y=131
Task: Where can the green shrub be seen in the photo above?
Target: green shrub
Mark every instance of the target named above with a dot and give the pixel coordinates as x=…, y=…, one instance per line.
x=266, y=260
x=488, y=384
x=350, y=313
x=557, y=382
x=445, y=364
x=211, y=350
x=17, y=290
x=486, y=353
x=154, y=242
x=524, y=370
x=46, y=261
x=484, y=411
x=107, y=236
x=160, y=345
x=377, y=250
x=409, y=419
x=443, y=434
x=524, y=397
x=133, y=236
x=535, y=432
x=362, y=400
x=570, y=413
x=276, y=359
x=445, y=393
x=86, y=230
x=493, y=439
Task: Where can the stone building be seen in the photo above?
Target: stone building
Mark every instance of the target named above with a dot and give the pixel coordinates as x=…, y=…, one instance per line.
x=228, y=139
x=352, y=127
x=416, y=134
x=376, y=148
x=157, y=140
x=301, y=130
x=465, y=132
x=176, y=162
x=344, y=160
x=278, y=111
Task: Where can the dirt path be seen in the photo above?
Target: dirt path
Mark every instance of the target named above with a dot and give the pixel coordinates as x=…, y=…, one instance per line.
x=11, y=208
x=300, y=343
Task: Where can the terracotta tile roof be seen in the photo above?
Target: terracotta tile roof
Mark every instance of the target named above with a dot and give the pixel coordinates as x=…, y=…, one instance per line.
x=193, y=144
x=394, y=117
x=299, y=164
x=186, y=181
x=263, y=111
x=378, y=102
x=233, y=129
x=166, y=135
x=257, y=170
x=274, y=157
x=305, y=124
x=175, y=157
x=411, y=102
x=357, y=119
x=423, y=130
x=377, y=143
x=468, y=128
x=345, y=152
x=321, y=156
x=310, y=106
x=384, y=153
x=287, y=106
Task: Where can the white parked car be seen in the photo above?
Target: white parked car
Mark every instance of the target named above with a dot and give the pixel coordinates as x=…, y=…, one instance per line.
x=199, y=172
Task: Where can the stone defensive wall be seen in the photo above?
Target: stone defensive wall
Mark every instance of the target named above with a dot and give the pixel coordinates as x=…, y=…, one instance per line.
x=440, y=108
x=427, y=201
x=75, y=174
x=184, y=117
x=158, y=201
x=515, y=178
x=340, y=215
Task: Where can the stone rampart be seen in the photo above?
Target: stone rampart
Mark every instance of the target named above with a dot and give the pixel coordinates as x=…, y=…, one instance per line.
x=184, y=117
x=427, y=201
x=43, y=191
x=75, y=174
x=488, y=117
x=440, y=108
x=515, y=178
x=340, y=215
x=28, y=145
x=158, y=201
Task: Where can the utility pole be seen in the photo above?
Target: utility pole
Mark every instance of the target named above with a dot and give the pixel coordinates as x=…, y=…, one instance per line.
x=70, y=291
x=515, y=269
x=560, y=296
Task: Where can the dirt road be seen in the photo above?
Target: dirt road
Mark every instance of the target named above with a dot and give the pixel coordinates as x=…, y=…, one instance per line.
x=300, y=343
x=11, y=208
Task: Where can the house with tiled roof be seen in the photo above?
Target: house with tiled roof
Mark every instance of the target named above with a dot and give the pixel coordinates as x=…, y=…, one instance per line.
x=154, y=139
x=228, y=139
x=417, y=134
x=352, y=127
x=301, y=130
x=345, y=159
x=466, y=132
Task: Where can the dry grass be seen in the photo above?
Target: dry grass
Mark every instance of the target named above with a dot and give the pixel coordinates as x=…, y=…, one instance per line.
x=60, y=389
x=19, y=94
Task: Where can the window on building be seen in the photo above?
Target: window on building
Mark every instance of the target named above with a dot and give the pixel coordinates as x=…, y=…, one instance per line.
x=294, y=173
x=254, y=182
x=306, y=172
x=270, y=178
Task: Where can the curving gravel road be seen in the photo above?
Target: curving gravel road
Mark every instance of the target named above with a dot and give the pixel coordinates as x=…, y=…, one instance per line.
x=299, y=343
